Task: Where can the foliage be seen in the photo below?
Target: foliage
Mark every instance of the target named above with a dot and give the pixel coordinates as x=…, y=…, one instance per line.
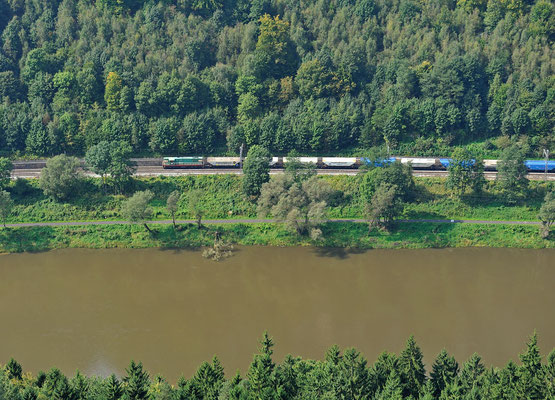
x=256, y=170
x=297, y=170
x=547, y=213
x=300, y=205
x=6, y=205
x=179, y=76
x=137, y=209
x=465, y=171
x=341, y=374
x=6, y=167
x=171, y=204
x=512, y=173
x=196, y=208
x=396, y=175
x=384, y=207
x=60, y=177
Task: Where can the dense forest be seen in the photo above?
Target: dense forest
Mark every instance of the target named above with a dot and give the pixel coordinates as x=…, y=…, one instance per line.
x=341, y=375
x=318, y=76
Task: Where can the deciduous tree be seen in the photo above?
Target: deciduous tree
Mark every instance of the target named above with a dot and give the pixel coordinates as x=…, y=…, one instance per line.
x=136, y=209
x=6, y=205
x=172, y=204
x=6, y=167
x=547, y=213
x=512, y=173
x=60, y=177
x=256, y=170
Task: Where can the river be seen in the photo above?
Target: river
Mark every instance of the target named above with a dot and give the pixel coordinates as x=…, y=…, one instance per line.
x=95, y=310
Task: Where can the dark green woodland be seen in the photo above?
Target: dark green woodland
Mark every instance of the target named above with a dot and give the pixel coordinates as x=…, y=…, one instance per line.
x=340, y=375
x=318, y=76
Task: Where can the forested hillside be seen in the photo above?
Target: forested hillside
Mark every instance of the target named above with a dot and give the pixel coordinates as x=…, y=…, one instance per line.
x=325, y=76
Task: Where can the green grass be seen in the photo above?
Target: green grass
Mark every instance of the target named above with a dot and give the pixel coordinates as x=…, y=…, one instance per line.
x=223, y=199
x=336, y=235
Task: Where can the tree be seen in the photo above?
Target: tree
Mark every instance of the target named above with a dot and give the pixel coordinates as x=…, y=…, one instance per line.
x=112, y=92
x=6, y=167
x=444, y=372
x=14, y=369
x=60, y=177
x=256, y=170
x=113, y=389
x=395, y=174
x=384, y=207
x=300, y=205
x=274, y=50
x=392, y=389
x=196, y=207
x=462, y=172
x=6, y=205
x=136, y=208
x=121, y=167
x=171, y=204
x=297, y=170
x=512, y=173
x=413, y=374
x=98, y=159
x=136, y=383
x=547, y=213
x=261, y=371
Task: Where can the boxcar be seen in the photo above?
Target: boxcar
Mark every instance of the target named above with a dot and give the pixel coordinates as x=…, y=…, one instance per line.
x=339, y=162
x=223, y=162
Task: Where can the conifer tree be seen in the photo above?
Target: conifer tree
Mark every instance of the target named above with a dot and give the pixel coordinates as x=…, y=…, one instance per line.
x=444, y=371
x=137, y=382
x=261, y=371
x=413, y=374
x=113, y=388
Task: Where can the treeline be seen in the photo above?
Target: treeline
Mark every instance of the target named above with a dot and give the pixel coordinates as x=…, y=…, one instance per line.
x=200, y=76
x=341, y=375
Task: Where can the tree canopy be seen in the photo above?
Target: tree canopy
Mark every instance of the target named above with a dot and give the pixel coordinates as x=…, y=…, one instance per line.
x=197, y=76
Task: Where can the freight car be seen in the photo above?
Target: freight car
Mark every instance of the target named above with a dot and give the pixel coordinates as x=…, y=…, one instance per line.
x=341, y=162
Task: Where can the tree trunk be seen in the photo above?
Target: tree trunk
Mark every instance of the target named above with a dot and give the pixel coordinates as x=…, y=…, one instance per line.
x=147, y=228
x=199, y=221
x=173, y=218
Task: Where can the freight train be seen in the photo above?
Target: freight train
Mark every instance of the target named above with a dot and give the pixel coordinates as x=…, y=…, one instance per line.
x=341, y=163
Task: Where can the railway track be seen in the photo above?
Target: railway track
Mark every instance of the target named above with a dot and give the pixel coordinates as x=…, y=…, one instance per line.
x=156, y=170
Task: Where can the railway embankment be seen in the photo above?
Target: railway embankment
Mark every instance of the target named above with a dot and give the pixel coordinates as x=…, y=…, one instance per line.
x=222, y=198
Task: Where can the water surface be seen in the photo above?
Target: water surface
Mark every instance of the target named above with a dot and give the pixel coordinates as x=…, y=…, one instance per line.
x=94, y=310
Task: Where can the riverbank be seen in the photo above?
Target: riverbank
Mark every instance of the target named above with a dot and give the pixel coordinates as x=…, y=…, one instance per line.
x=335, y=235
x=223, y=199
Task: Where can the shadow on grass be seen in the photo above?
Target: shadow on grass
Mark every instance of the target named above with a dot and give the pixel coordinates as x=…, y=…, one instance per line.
x=33, y=240
x=350, y=235
x=424, y=215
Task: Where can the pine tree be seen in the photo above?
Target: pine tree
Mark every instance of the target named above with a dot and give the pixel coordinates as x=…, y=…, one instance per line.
x=392, y=389
x=472, y=373
x=261, y=371
x=530, y=377
x=413, y=374
x=113, y=388
x=444, y=371
x=137, y=382
x=14, y=369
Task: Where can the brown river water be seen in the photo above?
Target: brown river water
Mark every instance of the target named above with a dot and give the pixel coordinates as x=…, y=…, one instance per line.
x=95, y=310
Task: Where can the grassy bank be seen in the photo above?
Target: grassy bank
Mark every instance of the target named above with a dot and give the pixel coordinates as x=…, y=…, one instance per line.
x=223, y=198
x=344, y=234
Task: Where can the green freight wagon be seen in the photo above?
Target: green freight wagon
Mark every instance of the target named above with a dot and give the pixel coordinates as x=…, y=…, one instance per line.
x=183, y=162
